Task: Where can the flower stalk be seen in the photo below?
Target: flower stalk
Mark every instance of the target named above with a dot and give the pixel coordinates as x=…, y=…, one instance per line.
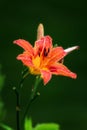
x=34, y=95
x=17, y=107
x=34, y=89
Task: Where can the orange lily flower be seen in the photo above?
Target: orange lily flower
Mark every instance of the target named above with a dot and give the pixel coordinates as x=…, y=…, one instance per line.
x=44, y=59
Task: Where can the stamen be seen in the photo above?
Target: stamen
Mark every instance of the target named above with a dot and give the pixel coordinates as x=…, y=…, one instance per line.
x=46, y=51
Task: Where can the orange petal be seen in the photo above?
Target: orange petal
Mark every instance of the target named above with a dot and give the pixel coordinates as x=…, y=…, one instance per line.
x=56, y=55
x=44, y=42
x=60, y=69
x=25, y=45
x=46, y=76
x=25, y=59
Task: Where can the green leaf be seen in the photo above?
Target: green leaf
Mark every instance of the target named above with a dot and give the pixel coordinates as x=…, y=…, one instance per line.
x=5, y=127
x=28, y=124
x=47, y=126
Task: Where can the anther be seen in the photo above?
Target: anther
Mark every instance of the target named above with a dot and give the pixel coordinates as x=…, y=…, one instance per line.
x=46, y=51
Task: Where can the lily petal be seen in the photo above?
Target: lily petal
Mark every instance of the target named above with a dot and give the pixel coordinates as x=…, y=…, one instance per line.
x=60, y=69
x=46, y=76
x=44, y=42
x=56, y=55
x=25, y=58
x=24, y=44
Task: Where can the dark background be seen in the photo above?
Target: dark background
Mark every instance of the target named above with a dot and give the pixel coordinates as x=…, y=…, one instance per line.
x=63, y=100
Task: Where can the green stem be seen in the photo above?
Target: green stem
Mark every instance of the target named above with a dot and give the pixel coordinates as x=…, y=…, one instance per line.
x=18, y=113
x=17, y=108
x=33, y=96
x=37, y=81
x=17, y=92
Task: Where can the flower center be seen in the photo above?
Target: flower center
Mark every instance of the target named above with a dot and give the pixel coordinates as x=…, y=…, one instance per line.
x=39, y=61
x=43, y=51
x=36, y=62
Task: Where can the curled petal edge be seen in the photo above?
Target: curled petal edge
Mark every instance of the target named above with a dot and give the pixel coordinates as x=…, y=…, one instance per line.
x=24, y=44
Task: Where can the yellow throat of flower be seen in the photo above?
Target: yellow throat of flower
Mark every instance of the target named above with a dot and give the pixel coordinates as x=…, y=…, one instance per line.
x=36, y=68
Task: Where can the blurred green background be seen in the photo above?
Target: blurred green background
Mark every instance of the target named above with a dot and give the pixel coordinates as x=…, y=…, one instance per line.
x=63, y=100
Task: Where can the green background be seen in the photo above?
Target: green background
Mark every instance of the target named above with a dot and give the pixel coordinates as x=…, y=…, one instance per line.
x=63, y=100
